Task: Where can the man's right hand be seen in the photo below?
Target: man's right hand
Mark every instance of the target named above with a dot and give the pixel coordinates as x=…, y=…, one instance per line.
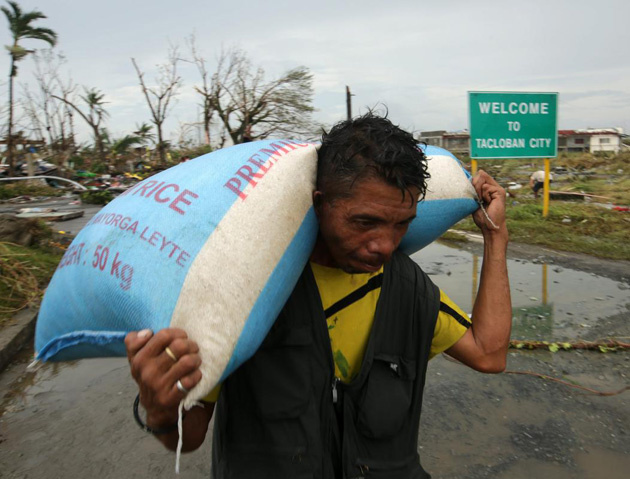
x=157, y=373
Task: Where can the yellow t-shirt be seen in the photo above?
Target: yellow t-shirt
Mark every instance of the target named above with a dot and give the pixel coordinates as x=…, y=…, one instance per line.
x=349, y=301
x=349, y=327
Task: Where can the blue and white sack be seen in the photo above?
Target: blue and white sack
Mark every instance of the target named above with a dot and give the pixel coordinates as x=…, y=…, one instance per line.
x=450, y=197
x=215, y=246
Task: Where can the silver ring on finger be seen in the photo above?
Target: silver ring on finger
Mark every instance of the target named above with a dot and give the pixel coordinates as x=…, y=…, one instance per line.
x=181, y=387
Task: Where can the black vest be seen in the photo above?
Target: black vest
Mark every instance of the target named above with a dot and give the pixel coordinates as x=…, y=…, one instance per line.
x=282, y=414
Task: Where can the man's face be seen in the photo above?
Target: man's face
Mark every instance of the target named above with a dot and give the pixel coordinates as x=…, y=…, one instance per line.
x=360, y=233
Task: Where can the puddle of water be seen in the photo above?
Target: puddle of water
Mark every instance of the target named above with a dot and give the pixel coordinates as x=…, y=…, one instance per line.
x=23, y=388
x=549, y=301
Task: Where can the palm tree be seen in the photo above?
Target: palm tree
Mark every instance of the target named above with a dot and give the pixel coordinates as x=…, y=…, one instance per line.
x=21, y=28
x=121, y=146
x=143, y=131
x=94, y=99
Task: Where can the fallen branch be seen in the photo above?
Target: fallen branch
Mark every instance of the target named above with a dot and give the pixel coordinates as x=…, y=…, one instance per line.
x=603, y=345
x=566, y=383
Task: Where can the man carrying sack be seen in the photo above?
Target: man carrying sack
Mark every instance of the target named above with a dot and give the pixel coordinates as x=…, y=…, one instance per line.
x=335, y=390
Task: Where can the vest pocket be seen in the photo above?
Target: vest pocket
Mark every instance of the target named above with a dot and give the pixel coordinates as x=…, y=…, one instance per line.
x=386, y=400
x=280, y=374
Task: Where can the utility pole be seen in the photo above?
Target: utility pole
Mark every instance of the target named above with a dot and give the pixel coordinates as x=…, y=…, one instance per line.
x=349, y=102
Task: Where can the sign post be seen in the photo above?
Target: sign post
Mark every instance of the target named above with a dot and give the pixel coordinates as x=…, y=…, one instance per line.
x=514, y=125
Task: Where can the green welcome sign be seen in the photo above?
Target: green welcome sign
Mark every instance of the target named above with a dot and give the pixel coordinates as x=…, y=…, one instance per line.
x=513, y=124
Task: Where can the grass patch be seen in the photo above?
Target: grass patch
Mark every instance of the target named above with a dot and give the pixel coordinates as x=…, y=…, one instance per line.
x=22, y=188
x=571, y=227
x=584, y=186
x=24, y=274
x=96, y=197
x=453, y=236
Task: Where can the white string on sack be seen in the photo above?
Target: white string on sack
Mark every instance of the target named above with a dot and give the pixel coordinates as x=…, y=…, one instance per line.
x=485, y=213
x=180, y=439
x=180, y=430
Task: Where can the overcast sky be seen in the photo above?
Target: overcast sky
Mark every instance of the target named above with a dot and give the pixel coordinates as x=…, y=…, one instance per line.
x=419, y=58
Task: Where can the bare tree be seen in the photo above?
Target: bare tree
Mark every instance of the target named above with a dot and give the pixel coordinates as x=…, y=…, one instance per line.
x=207, y=90
x=66, y=90
x=50, y=118
x=186, y=134
x=160, y=97
x=252, y=108
x=94, y=116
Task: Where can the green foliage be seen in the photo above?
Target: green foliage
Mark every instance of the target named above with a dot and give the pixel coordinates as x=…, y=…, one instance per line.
x=77, y=161
x=578, y=225
x=95, y=100
x=581, y=228
x=453, y=236
x=120, y=146
x=584, y=186
x=22, y=188
x=143, y=131
x=527, y=212
x=21, y=28
x=98, y=167
x=96, y=197
x=192, y=152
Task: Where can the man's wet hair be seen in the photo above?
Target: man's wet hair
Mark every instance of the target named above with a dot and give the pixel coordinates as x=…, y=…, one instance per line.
x=369, y=146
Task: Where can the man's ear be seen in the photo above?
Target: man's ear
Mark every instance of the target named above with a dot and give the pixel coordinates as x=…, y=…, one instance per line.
x=318, y=199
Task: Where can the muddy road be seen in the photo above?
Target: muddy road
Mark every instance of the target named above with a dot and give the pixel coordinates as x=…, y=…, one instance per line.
x=75, y=419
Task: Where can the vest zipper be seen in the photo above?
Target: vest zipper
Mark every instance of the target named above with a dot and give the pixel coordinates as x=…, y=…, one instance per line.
x=367, y=465
x=322, y=331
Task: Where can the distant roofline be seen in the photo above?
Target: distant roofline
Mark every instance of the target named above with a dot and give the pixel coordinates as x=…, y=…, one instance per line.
x=590, y=132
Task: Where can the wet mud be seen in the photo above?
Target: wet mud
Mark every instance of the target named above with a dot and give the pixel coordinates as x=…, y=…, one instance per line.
x=75, y=419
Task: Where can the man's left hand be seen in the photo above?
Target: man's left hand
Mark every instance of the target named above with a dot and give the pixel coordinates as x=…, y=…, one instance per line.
x=484, y=346
x=493, y=198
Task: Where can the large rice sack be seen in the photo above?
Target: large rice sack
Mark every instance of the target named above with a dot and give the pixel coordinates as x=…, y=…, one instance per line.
x=450, y=197
x=214, y=246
